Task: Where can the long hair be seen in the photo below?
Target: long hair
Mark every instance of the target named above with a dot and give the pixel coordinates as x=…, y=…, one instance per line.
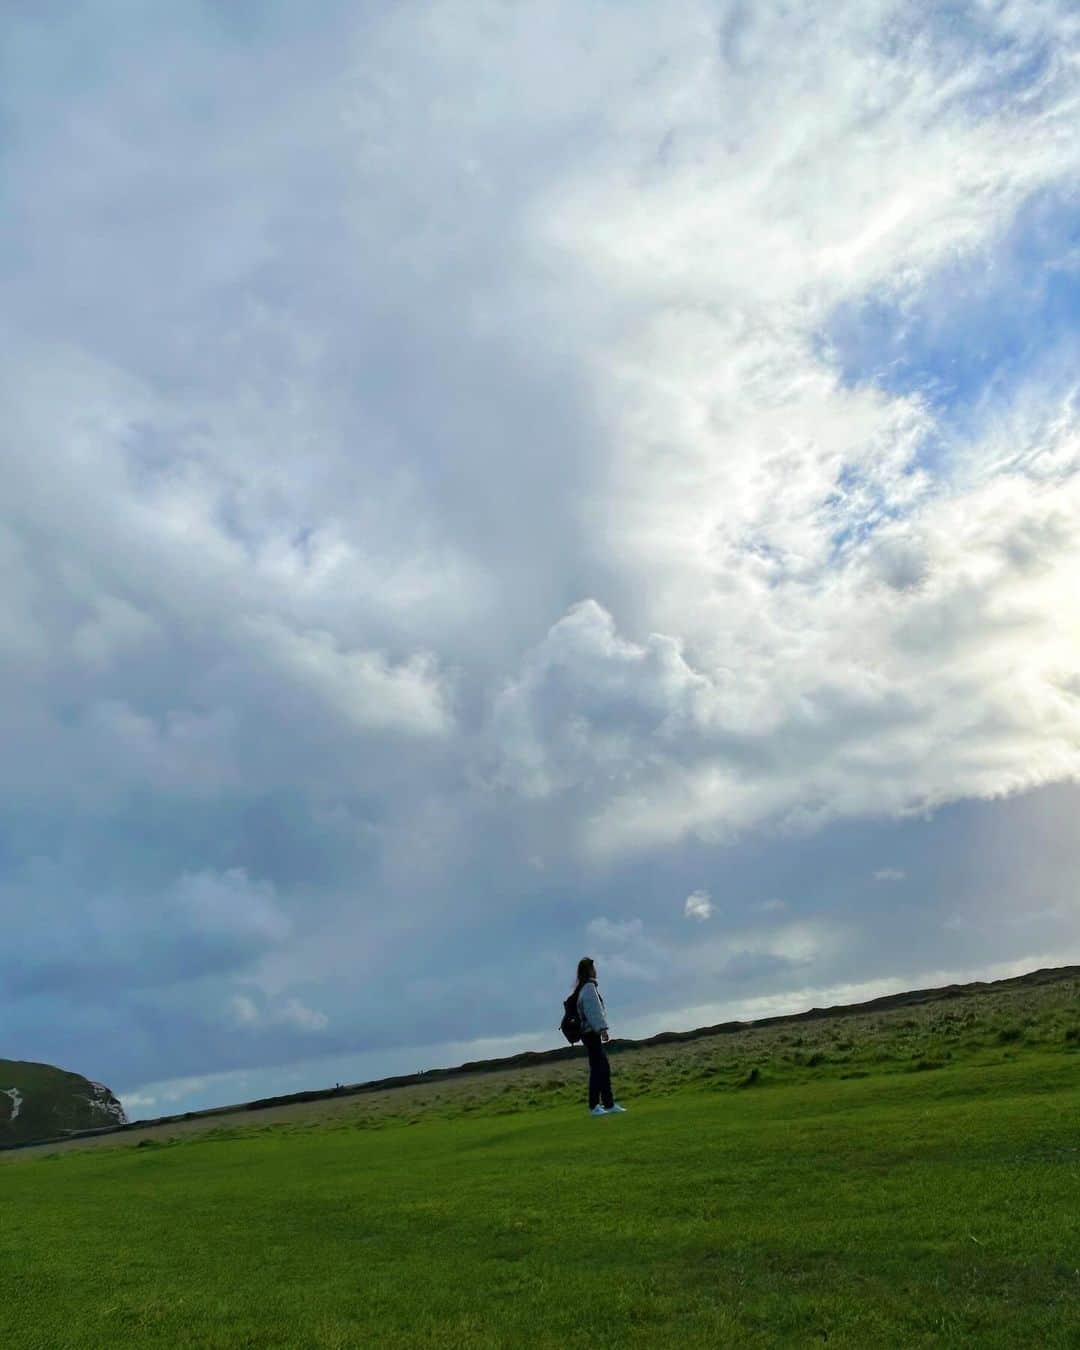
x=586, y=971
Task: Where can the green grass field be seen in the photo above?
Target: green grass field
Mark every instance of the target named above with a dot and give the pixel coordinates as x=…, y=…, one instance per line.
x=918, y=1184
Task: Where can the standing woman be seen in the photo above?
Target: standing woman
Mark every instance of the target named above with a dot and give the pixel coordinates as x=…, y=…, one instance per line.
x=595, y=1035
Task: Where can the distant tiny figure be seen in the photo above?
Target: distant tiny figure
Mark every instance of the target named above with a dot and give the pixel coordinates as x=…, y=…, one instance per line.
x=594, y=1036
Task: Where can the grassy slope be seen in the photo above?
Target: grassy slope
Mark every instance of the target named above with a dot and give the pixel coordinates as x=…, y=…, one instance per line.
x=982, y=1024
x=911, y=1206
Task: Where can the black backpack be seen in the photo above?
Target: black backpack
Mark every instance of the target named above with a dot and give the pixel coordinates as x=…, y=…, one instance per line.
x=570, y=1026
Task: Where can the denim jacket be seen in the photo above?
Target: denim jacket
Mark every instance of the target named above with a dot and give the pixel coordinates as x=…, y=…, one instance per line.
x=590, y=1008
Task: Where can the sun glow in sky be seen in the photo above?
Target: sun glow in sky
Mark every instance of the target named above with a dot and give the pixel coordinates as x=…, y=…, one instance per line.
x=487, y=483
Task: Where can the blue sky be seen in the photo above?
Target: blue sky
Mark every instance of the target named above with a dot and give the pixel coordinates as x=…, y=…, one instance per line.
x=994, y=318
x=484, y=485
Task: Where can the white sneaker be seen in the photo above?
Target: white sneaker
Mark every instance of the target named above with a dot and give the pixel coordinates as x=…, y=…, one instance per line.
x=616, y=1107
x=598, y=1111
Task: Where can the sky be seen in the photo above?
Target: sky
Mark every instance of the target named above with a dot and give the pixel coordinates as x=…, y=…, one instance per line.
x=488, y=483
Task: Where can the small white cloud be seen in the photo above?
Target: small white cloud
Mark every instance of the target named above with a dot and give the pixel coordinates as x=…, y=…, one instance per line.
x=698, y=905
x=889, y=874
x=247, y=1013
x=300, y=1015
x=229, y=905
x=623, y=949
x=244, y=1010
x=134, y=1101
x=772, y=906
x=611, y=930
x=628, y=967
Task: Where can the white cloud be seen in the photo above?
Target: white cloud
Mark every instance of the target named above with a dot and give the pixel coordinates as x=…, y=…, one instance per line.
x=300, y=1015
x=136, y=1101
x=244, y=1010
x=625, y=951
x=815, y=621
x=228, y=905
x=762, y=947
x=889, y=874
x=776, y=560
x=698, y=905
x=292, y=1012
x=614, y=930
x=361, y=686
x=838, y=694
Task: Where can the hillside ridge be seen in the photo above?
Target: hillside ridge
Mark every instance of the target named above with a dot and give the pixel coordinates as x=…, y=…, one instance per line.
x=42, y=1100
x=531, y=1058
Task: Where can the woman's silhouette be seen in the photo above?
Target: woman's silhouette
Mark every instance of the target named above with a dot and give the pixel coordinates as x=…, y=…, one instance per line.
x=594, y=1036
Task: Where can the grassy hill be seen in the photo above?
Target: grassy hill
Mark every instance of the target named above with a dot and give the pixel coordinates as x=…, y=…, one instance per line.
x=906, y=1176
x=38, y=1100
x=909, y=1032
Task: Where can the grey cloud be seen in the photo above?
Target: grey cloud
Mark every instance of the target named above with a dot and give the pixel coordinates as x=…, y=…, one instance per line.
x=62, y=938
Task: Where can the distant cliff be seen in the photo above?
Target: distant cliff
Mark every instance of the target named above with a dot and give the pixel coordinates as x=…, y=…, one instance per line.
x=38, y=1101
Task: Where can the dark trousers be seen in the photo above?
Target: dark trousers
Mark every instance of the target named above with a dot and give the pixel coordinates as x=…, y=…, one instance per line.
x=599, y=1071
